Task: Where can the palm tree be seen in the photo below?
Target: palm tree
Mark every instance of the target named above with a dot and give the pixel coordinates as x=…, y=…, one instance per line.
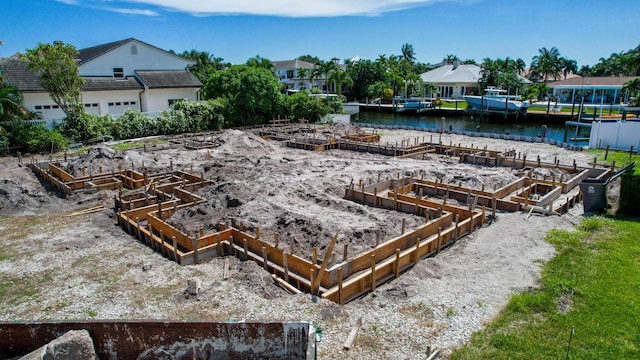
x=325, y=69
x=407, y=53
x=339, y=78
x=547, y=63
x=10, y=102
x=450, y=59
x=261, y=62
x=413, y=83
x=303, y=73
x=568, y=66
x=632, y=87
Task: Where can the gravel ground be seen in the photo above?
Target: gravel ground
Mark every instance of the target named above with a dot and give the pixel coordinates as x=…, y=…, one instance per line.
x=85, y=267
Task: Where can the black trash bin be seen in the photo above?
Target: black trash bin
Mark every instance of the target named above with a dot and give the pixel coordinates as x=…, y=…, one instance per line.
x=594, y=194
x=594, y=191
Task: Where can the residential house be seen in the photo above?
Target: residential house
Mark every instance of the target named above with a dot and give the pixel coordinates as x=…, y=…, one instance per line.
x=594, y=89
x=290, y=75
x=119, y=75
x=453, y=80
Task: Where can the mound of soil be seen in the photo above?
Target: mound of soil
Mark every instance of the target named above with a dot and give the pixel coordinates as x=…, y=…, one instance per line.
x=17, y=197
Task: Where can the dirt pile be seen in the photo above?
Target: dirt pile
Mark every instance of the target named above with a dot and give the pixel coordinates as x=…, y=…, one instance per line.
x=17, y=197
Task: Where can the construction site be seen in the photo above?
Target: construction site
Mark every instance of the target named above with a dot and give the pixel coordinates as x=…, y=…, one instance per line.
x=349, y=221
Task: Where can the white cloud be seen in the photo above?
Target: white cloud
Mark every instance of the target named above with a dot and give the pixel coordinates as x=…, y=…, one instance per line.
x=68, y=2
x=144, y=12
x=286, y=8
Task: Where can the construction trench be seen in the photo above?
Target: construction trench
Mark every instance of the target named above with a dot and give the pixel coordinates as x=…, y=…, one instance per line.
x=146, y=202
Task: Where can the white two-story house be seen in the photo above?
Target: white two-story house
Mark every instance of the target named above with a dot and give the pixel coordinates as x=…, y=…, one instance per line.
x=118, y=75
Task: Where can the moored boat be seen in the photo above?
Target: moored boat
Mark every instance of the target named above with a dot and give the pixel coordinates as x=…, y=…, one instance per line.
x=496, y=100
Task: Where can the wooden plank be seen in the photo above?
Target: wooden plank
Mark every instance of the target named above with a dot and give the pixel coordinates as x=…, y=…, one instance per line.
x=225, y=272
x=292, y=289
x=352, y=334
x=325, y=261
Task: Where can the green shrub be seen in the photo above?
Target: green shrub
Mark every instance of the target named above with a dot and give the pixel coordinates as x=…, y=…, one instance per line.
x=302, y=106
x=32, y=138
x=87, y=126
x=132, y=124
x=630, y=195
x=43, y=140
x=199, y=115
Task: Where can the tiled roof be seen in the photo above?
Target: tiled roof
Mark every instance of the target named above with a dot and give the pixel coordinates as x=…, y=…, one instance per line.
x=110, y=83
x=19, y=75
x=594, y=81
x=168, y=79
x=292, y=64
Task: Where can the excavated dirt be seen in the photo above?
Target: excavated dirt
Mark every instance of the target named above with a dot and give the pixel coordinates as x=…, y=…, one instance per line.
x=84, y=266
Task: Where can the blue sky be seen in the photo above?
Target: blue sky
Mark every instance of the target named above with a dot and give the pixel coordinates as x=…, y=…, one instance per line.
x=285, y=29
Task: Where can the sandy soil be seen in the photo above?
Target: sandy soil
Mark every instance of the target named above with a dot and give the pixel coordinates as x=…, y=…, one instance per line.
x=58, y=267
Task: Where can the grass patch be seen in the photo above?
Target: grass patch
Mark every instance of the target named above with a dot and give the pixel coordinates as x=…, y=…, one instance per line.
x=137, y=145
x=621, y=158
x=591, y=285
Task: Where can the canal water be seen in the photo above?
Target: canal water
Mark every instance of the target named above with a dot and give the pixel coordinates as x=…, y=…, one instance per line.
x=526, y=126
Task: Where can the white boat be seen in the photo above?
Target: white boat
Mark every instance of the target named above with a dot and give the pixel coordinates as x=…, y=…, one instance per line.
x=496, y=100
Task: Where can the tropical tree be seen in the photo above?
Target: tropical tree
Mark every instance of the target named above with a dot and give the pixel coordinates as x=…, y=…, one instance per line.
x=260, y=62
x=325, y=69
x=430, y=89
x=632, y=88
x=251, y=95
x=205, y=63
x=310, y=59
x=412, y=82
x=450, y=59
x=501, y=73
x=303, y=73
x=380, y=89
x=302, y=106
x=568, y=66
x=546, y=65
x=59, y=75
x=407, y=53
x=340, y=78
x=363, y=73
x=10, y=102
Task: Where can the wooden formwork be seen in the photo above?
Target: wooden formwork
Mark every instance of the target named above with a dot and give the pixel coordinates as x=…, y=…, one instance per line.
x=156, y=197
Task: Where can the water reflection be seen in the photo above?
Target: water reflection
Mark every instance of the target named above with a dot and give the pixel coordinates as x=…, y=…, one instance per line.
x=523, y=126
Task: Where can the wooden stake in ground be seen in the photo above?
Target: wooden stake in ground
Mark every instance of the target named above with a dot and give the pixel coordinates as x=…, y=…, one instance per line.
x=352, y=335
x=316, y=282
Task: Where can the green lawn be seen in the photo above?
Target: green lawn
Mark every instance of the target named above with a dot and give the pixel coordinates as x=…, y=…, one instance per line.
x=620, y=157
x=592, y=285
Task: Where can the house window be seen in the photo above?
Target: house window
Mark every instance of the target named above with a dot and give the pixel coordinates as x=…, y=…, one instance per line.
x=110, y=104
x=289, y=74
x=118, y=73
x=134, y=50
x=173, y=101
x=38, y=107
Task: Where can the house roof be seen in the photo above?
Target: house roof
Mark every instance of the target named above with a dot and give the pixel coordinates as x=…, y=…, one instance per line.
x=465, y=73
x=292, y=64
x=90, y=53
x=95, y=83
x=25, y=80
x=593, y=81
x=93, y=52
x=19, y=75
x=168, y=78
